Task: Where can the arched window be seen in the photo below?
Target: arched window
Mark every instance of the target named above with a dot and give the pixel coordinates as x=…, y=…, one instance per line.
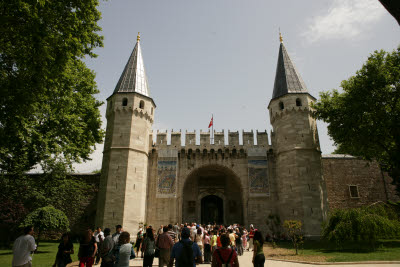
x=124, y=102
x=298, y=102
x=141, y=104
x=281, y=106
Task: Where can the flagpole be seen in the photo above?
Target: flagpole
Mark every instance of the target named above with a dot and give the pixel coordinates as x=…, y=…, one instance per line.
x=212, y=129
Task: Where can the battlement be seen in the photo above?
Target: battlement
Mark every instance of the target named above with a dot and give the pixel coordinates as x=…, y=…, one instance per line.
x=200, y=139
x=281, y=113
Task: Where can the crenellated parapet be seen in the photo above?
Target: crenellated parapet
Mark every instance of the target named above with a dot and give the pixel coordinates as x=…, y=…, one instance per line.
x=190, y=138
x=231, y=141
x=278, y=113
x=176, y=139
x=233, y=138
x=262, y=138
x=161, y=140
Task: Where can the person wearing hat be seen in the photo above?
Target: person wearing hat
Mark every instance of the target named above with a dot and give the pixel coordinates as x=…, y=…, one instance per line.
x=185, y=251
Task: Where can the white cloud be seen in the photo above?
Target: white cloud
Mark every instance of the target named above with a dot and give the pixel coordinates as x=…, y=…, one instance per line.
x=345, y=19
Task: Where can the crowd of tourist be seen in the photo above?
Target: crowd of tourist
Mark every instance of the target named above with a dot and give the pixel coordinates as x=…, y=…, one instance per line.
x=185, y=245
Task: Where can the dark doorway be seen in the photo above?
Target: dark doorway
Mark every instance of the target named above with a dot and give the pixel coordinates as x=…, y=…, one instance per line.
x=212, y=210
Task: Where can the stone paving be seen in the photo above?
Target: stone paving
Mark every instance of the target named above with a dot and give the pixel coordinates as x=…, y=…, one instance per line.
x=245, y=261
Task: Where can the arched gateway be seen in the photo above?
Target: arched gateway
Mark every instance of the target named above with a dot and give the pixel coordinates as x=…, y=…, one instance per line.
x=212, y=193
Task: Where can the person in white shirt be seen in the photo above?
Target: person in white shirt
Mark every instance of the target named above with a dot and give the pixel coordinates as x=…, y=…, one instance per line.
x=99, y=237
x=23, y=247
x=118, y=231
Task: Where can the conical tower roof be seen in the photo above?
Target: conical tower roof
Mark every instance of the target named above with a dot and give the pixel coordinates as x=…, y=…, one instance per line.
x=134, y=78
x=287, y=78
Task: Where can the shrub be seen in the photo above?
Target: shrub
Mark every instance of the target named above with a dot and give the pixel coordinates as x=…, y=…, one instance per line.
x=367, y=224
x=294, y=232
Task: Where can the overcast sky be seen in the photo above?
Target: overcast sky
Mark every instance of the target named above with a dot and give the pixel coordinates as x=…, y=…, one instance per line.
x=219, y=56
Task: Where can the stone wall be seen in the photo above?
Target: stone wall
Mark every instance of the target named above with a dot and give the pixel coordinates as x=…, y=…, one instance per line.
x=341, y=171
x=220, y=162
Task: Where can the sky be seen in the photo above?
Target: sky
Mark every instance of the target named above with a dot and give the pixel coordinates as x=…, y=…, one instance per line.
x=219, y=56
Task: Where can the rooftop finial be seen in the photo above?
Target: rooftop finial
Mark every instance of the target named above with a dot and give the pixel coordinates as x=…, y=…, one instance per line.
x=280, y=37
x=138, y=36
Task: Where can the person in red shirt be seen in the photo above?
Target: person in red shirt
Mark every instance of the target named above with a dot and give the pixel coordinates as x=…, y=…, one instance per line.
x=225, y=254
x=251, y=236
x=219, y=238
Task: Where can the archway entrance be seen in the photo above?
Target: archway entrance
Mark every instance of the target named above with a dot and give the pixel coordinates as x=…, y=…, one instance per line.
x=212, y=210
x=212, y=193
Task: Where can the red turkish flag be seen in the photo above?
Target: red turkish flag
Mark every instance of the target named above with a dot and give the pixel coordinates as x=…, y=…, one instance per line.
x=211, y=122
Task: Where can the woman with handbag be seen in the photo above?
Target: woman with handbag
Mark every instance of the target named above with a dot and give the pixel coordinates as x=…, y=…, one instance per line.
x=149, y=247
x=65, y=249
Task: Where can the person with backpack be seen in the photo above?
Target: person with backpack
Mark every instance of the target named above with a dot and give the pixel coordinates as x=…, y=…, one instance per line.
x=225, y=256
x=185, y=252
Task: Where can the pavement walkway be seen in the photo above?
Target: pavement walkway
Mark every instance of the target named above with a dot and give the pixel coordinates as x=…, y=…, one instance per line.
x=245, y=261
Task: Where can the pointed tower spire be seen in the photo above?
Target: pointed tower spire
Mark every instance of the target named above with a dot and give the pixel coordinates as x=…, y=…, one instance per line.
x=287, y=78
x=134, y=78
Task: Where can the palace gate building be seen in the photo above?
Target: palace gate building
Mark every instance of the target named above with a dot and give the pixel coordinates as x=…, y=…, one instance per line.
x=238, y=181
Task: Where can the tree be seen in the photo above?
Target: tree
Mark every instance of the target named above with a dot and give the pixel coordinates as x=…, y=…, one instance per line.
x=47, y=219
x=22, y=194
x=364, y=119
x=47, y=106
x=393, y=8
x=12, y=212
x=294, y=231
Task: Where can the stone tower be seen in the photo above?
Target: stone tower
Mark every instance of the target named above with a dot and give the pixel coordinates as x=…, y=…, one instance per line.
x=130, y=115
x=300, y=185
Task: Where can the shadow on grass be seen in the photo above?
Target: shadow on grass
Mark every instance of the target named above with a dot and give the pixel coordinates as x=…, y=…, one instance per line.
x=43, y=252
x=6, y=253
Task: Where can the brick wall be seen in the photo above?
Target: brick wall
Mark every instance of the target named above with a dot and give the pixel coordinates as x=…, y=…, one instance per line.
x=341, y=171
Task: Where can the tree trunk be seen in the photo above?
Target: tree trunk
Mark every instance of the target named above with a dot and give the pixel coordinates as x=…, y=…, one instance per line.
x=38, y=238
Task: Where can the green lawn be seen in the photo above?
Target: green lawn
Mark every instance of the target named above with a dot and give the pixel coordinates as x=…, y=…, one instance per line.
x=387, y=250
x=43, y=258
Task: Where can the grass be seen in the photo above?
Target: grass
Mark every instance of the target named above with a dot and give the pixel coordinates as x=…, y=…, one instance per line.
x=318, y=251
x=45, y=256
